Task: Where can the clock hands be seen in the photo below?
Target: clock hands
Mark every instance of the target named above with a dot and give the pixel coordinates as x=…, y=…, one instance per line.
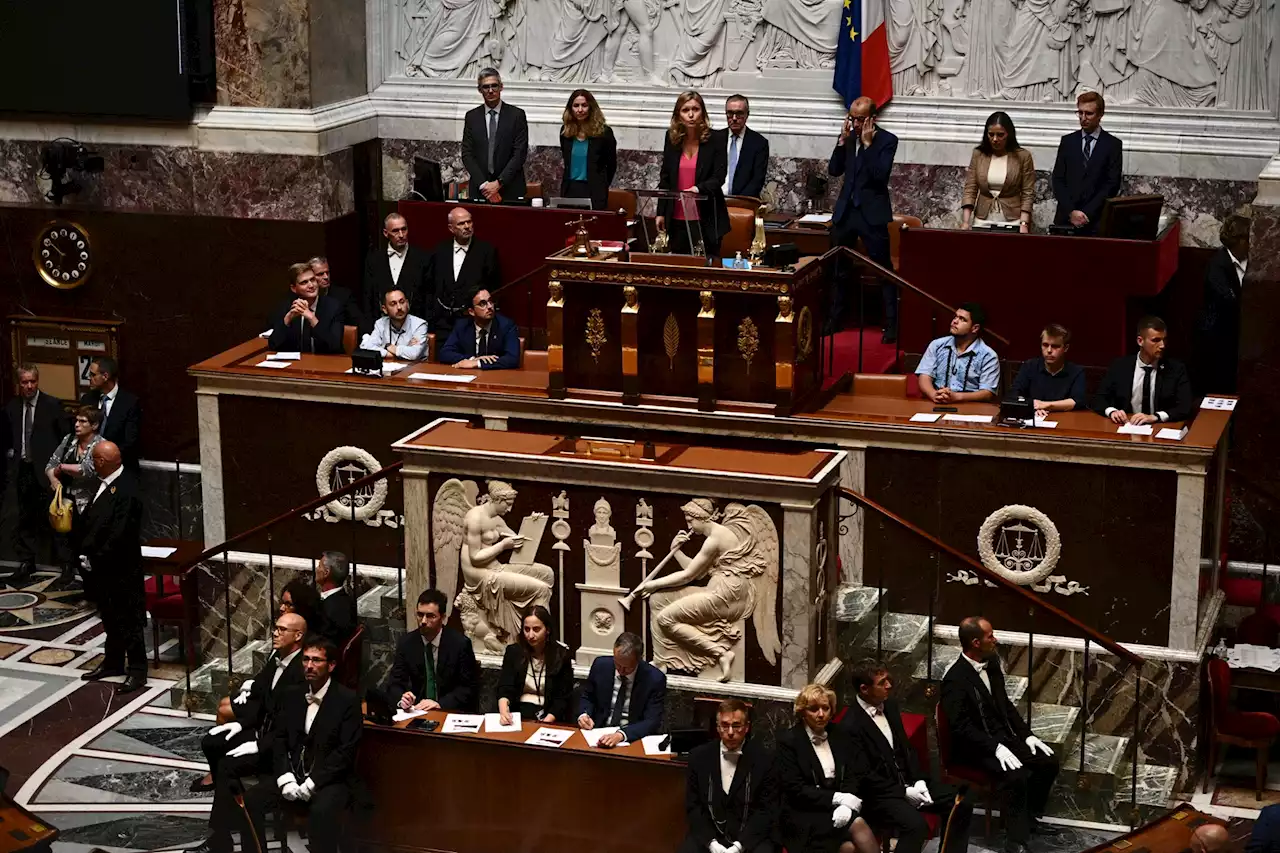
x=54, y=246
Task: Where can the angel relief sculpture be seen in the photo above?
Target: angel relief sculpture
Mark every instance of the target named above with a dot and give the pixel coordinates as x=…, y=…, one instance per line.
x=696, y=627
x=472, y=536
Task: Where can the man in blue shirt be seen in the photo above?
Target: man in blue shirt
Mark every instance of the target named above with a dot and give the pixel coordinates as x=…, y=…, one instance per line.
x=960, y=368
x=1050, y=381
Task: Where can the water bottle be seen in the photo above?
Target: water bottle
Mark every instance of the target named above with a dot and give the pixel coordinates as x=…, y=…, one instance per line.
x=738, y=263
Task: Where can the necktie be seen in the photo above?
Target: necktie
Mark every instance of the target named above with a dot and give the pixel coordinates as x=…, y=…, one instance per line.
x=1088, y=149
x=493, y=136
x=105, y=405
x=28, y=423
x=430, y=692
x=621, y=702
x=484, y=342
x=1146, y=389
x=733, y=160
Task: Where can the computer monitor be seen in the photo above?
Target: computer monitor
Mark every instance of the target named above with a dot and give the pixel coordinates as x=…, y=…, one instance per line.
x=427, y=181
x=1131, y=217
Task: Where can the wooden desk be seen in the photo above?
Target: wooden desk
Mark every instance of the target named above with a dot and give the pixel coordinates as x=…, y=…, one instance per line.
x=492, y=793
x=1170, y=833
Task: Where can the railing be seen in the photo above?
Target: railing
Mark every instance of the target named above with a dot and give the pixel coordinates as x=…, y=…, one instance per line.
x=1035, y=604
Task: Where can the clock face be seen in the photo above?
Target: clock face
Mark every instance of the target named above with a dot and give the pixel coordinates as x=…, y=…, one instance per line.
x=62, y=254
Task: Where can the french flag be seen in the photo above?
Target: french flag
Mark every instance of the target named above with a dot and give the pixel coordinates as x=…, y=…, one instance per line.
x=862, y=53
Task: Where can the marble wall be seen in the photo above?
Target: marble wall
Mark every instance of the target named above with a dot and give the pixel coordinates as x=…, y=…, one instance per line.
x=261, y=50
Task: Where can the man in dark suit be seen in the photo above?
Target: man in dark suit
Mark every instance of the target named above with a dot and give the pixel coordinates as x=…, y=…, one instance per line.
x=121, y=410
x=37, y=423
x=898, y=791
x=495, y=143
x=336, y=604
x=457, y=268
x=625, y=692
x=235, y=749
x=485, y=340
x=111, y=544
x=864, y=209
x=730, y=795
x=1088, y=168
x=1217, y=341
x=313, y=751
x=306, y=321
x=747, y=151
x=435, y=667
x=1146, y=387
x=1264, y=837
x=988, y=734
x=351, y=313
x=398, y=266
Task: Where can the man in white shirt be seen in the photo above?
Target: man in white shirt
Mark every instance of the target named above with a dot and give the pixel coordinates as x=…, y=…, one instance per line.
x=746, y=151
x=336, y=604
x=434, y=667
x=1217, y=340
x=398, y=334
x=1147, y=387
x=397, y=265
x=988, y=734
x=121, y=411
x=625, y=692
x=457, y=268
x=731, y=794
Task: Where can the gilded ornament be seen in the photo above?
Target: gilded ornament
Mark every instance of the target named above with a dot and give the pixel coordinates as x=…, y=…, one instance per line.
x=748, y=340
x=804, y=334
x=671, y=340
x=596, y=337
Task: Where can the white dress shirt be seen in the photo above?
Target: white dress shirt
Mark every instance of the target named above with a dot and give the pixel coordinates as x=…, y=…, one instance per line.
x=384, y=335
x=981, y=667
x=281, y=666
x=535, y=683
x=1241, y=266
x=432, y=647
x=613, y=698
x=728, y=766
x=313, y=704
x=1135, y=388
x=107, y=481
x=396, y=261
x=727, y=189
x=823, y=749
x=109, y=399
x=877, y=717
x=459, y=258
x=1093, y=146
x=329, y=592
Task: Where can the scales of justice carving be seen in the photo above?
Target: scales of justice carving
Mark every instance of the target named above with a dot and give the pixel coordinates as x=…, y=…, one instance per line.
x=1022, y=545
x=1168, y=53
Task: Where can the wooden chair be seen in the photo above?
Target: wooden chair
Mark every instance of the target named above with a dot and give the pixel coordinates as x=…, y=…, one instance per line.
x=1251, y=729
x=165, y=603
x=349, y=339
x=900, y=221
x=979, y=781
x=624, y=200
x=742, y=228
x=879, y=385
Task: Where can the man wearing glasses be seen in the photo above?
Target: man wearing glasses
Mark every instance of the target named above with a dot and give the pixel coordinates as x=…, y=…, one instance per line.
x=731, y=795
x=484, y=340
x=747, y=152
x=1088, y=168
x=495, y=143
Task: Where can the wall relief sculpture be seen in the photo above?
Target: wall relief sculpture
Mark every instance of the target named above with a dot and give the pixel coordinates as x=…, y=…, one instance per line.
x=1168, y=53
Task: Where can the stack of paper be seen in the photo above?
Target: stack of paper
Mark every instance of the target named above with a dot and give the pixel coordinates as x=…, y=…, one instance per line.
x=1134, y=429
x=493, y=723
x=593, y=736
x=1245, y=656
x=406, y=715
x=155, y=552
x=925, y=417
x=444, y=377
x=651, y=745
x=1221, y=404
x=968, y=419
x=462, y=723
x=1172, y=434
x=547, y=736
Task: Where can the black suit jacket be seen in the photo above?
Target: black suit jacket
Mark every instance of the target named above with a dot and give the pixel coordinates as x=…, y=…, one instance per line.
x=1077, y=187
x=508, y=157
x=328, y=752
x=457, y=672
x=1217, y=336
x=504, y=342
x=412, y=282
x=351, y=313
x=708, y=178
x=602, y=165
x=111, y=533
x=123, y=425
x=892, y=768
x=256, y=712
x=753, y=161
x=300, y=335
x=747, y=813
x=339, y=621
x=806, y=793
x=49, y=423
x=644, y=705
x=866, y=177
x=447, y=299
x=557, y=690
x=1172, y=392
x=1265, y=835
x=979, y=720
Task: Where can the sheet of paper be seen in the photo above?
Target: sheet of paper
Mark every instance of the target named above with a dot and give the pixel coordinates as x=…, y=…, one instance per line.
x=1172, y=434
x=1039, y=424
x=925, y=417
x=459, y=723
x=1221, y=404
x=1134, y=429
x=547, y=736
x=265, y=334
x=399, y=715
x=968, y=419
x=284, y=356
x=493, y=723
x=815, y=217
x=444, y=377
x=593, y=737
x=393, y=366
x=651, y=747
x=156, y=553
x=277, y=365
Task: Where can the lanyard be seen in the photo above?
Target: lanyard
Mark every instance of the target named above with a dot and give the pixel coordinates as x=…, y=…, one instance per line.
x=951, y=358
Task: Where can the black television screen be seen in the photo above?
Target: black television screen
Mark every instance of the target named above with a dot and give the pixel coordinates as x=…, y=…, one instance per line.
x=87, y=57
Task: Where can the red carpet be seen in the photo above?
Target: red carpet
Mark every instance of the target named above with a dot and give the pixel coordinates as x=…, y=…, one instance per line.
x=876, y=357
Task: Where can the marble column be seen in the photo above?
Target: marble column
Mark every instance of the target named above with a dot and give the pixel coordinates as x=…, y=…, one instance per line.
x=1184, y=594
x=853, y=475
x=417, y=542
x=210, y=431
x=799, y=622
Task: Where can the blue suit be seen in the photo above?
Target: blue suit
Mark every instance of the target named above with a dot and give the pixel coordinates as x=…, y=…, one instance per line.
x=1082, y=187
x=864, y=209
x=644, y=706
x=1265, y=837
x=504, y=342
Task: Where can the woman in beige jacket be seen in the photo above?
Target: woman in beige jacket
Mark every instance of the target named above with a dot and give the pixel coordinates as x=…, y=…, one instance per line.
x=1000, y=184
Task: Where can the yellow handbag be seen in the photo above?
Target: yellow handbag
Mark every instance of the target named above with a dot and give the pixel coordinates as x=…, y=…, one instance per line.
x=60, y=512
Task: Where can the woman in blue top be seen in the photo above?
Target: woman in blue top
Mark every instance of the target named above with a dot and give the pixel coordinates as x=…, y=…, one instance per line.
x=590, y=151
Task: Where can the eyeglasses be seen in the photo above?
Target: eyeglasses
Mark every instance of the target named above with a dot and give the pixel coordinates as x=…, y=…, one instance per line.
x=731, y=727
x=279, y=629
x=735, y=113
x=484, y=303
x=489, y=87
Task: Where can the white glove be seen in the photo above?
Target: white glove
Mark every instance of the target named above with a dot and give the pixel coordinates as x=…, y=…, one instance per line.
x=232, y=729
x=922, y=788
x=916, y=799
x=735, y=847
x=84, y=562
x=1034, y=743
x=1007, y=759
x=245, y=690
x=249, y=747
x=306, y=789
x=841, y=816
x=849, y=801
x=286, y=779
x=291, y=792
x=717, y=847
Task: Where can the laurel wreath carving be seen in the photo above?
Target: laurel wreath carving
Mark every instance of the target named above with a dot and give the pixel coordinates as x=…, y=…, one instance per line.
x=596, y=338
x=671, y=340
x=1052, y=543
x=748, y=340
x=341, y=507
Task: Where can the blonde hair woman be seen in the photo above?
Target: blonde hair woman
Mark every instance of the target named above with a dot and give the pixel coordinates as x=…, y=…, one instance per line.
x=690, y=164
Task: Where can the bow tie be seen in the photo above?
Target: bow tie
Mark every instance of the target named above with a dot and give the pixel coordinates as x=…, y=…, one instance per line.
x=732, y=754
x=818, y=739
x=313, y=699
x=979, y=667
x=876, y=710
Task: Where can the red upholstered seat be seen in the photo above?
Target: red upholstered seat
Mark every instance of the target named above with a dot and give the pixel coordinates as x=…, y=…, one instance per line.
x=1253, y=729
x=979, y=780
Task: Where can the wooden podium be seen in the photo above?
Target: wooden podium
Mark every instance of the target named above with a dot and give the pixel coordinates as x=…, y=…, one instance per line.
x=656, y=329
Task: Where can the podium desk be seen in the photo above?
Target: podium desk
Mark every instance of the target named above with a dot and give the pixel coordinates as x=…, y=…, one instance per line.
x=483, y=793
x=660, y=329
x=1027, y=280
x=1169, y=833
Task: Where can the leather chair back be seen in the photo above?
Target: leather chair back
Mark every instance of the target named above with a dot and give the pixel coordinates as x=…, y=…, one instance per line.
x=742, y=228
x=879, y=385
x=900, y=221
x=349, y=339
x=623, y=200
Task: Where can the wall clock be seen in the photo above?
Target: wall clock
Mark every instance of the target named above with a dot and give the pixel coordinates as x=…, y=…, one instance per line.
x=62, y=254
